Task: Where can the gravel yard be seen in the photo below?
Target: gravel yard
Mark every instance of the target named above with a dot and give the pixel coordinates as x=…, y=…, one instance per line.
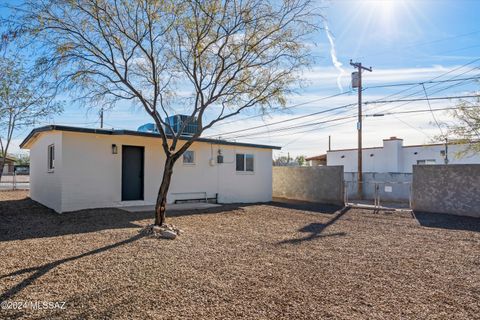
x=269, y=261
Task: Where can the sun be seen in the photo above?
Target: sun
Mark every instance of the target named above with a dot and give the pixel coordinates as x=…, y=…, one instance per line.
x=386, y=16
x=385, y=8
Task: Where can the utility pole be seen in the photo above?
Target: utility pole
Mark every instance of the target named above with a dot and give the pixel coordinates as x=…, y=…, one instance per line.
x=329, y=143
x=446, y=150
x=101, y=118
x=358, y=85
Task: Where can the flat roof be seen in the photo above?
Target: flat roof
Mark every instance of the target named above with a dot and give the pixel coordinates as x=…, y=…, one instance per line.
x=122, y=132
x=319, y=157
x=450, y=143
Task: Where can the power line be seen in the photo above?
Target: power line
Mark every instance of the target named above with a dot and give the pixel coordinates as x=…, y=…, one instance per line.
x=420, y=83
x=287, y=120
x=321, y=122
x=292, y=127
x=414, y=128
x=423, y=99
x=336, y=108
x=419, y=111
x=289, y=107
x=371, y=102
x=439, y=76
x=370, y=87
x=256, y=134
x=418, y=92
x=430, y=107
x=332, y=109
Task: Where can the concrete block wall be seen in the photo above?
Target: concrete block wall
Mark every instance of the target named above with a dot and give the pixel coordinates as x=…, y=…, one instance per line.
x=315, y=184
x=452, y=189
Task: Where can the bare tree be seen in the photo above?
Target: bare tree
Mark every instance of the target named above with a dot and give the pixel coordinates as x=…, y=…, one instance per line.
x=465, y=127
x=231, y=55
x=25, y=98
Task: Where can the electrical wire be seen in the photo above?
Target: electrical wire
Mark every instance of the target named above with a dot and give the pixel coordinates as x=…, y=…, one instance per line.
x=326, y=121
x=289, y=107
x=376, y=101
x=433, y=113
x=287, y=120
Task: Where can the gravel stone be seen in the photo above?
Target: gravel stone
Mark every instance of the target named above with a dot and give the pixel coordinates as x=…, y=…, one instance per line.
x=282, y=260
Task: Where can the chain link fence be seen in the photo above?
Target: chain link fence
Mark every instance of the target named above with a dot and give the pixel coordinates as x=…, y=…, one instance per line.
x=396, y=194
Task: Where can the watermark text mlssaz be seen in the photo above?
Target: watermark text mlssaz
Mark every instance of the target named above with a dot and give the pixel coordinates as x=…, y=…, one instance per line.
x=32, y=305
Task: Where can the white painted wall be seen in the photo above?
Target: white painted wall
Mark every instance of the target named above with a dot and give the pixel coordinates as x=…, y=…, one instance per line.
x=91, y=174
x=394, y=157
x=45, y=185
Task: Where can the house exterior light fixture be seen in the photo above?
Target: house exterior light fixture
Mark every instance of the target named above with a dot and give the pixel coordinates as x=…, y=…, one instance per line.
x=114, y=149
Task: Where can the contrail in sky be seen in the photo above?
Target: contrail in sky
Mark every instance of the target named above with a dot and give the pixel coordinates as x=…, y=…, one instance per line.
x=333, y=54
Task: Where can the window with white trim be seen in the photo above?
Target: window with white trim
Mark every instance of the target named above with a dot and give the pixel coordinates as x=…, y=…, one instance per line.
x=429, y=161
x=189, y=157
x=244, y=162
x=51, y=157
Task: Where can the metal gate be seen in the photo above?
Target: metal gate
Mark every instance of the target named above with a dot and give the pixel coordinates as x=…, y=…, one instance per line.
x=379, y=194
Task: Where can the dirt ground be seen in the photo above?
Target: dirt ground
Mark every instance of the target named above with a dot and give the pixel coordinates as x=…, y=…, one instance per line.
x=270, y=261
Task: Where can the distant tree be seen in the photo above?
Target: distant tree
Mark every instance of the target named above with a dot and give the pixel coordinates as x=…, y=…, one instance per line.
x=231, y=55
x=22, y=159
x=25, y=98
x=300, y=160
x=281, y=161
x=465, y=128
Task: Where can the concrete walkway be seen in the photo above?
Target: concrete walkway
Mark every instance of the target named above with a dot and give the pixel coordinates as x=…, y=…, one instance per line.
x=173, y=207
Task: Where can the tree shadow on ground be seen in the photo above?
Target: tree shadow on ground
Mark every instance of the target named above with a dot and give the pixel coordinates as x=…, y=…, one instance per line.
x=316, y=230
x=305, y=206
x=27, y=219
x=41, y=270
x=447, y=221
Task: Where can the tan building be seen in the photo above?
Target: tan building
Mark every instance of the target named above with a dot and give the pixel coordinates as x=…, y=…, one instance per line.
x=9, y=165
x=320, y=160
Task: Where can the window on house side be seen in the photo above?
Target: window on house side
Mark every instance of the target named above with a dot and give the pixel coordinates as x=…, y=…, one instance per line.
x=430, y=161
x=240, y=162
x=189, y=157
x=244, y=162
x=249, y=162
x=51, y=157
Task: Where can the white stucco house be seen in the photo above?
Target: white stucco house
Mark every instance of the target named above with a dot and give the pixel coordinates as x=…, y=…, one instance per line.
x=79, y=168
x=394, y=157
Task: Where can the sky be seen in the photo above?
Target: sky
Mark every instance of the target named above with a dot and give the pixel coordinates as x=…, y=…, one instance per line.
x=404, y=41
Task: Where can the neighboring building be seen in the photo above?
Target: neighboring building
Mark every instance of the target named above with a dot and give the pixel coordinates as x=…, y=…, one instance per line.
x=9, y=164
x=79, y=168
x=393, y=156
x=320, y=160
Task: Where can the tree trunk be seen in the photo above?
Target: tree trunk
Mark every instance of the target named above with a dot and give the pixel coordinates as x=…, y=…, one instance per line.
x=161, y=204
x=2, y=164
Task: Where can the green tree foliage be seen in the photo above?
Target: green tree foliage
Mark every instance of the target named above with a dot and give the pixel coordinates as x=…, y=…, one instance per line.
x=22, y=159
x=300, y=160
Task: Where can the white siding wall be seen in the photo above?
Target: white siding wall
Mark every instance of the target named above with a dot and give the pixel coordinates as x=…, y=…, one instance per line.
x=45, y=186
x=395, y=158
x=91, y=176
